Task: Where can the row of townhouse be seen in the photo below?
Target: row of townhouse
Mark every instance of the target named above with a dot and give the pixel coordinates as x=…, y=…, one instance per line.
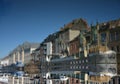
x=78, y=54
x=13, y=64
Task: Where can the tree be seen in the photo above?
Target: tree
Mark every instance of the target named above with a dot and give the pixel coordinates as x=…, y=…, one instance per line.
x=32, y=68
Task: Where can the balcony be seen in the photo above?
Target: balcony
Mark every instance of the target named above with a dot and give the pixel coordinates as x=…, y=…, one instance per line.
x=56, y=59
x=99, y=78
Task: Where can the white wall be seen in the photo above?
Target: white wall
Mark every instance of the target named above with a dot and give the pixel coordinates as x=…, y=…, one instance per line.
x=5, y=62
x=49, y=48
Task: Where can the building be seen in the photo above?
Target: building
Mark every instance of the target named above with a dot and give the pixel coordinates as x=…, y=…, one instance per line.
x=85, y=55
x=77, y=54
x=4, y=65
x=16, y=60
x=107, y=39
x=74, y=47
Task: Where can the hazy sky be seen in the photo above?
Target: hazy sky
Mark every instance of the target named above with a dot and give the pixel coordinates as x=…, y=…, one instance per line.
x=34, y=20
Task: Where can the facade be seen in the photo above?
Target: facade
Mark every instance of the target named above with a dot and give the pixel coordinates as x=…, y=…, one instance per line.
x=5, y=61
x=22, y=80
x=87, y=56
x=23, y=52
x=74, y=46
x=70, y=32
x=4, y=65
x=16, y=60
x=36, y=54
x=77, y=54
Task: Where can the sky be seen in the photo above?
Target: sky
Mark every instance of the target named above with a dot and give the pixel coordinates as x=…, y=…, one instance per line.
x=34, y=20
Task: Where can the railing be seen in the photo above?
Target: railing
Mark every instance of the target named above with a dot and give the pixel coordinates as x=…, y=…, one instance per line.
x=100, y=78
x=94, y=49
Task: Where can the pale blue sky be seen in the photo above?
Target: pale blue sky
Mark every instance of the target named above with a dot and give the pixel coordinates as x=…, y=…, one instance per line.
x=34, y=20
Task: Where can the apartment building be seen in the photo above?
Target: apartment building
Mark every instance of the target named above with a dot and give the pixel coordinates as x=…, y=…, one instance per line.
x=77, y=54
x=85, y=55
x=22, y=52
x=5, y=61
x=16, y=60
x=36, y=54
x=105, y=44
x=61, y=42
x=70, y=32
x=4, y=65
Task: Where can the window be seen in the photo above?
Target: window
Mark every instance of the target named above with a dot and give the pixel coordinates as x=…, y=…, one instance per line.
x=112, y=36
x=113, y=81
x=117, y=35
x=76, y=81
x=118, y=49
x=79, y=67
x=112, y=48
x=103, y=37
x=83, y=61
x=119, y=80
x=86, y=60
x=70, y=62
x=76, y=62
x=82, y=67
x=73, y=62
x=76, y=67
x=74, y=46
x=86, y=67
